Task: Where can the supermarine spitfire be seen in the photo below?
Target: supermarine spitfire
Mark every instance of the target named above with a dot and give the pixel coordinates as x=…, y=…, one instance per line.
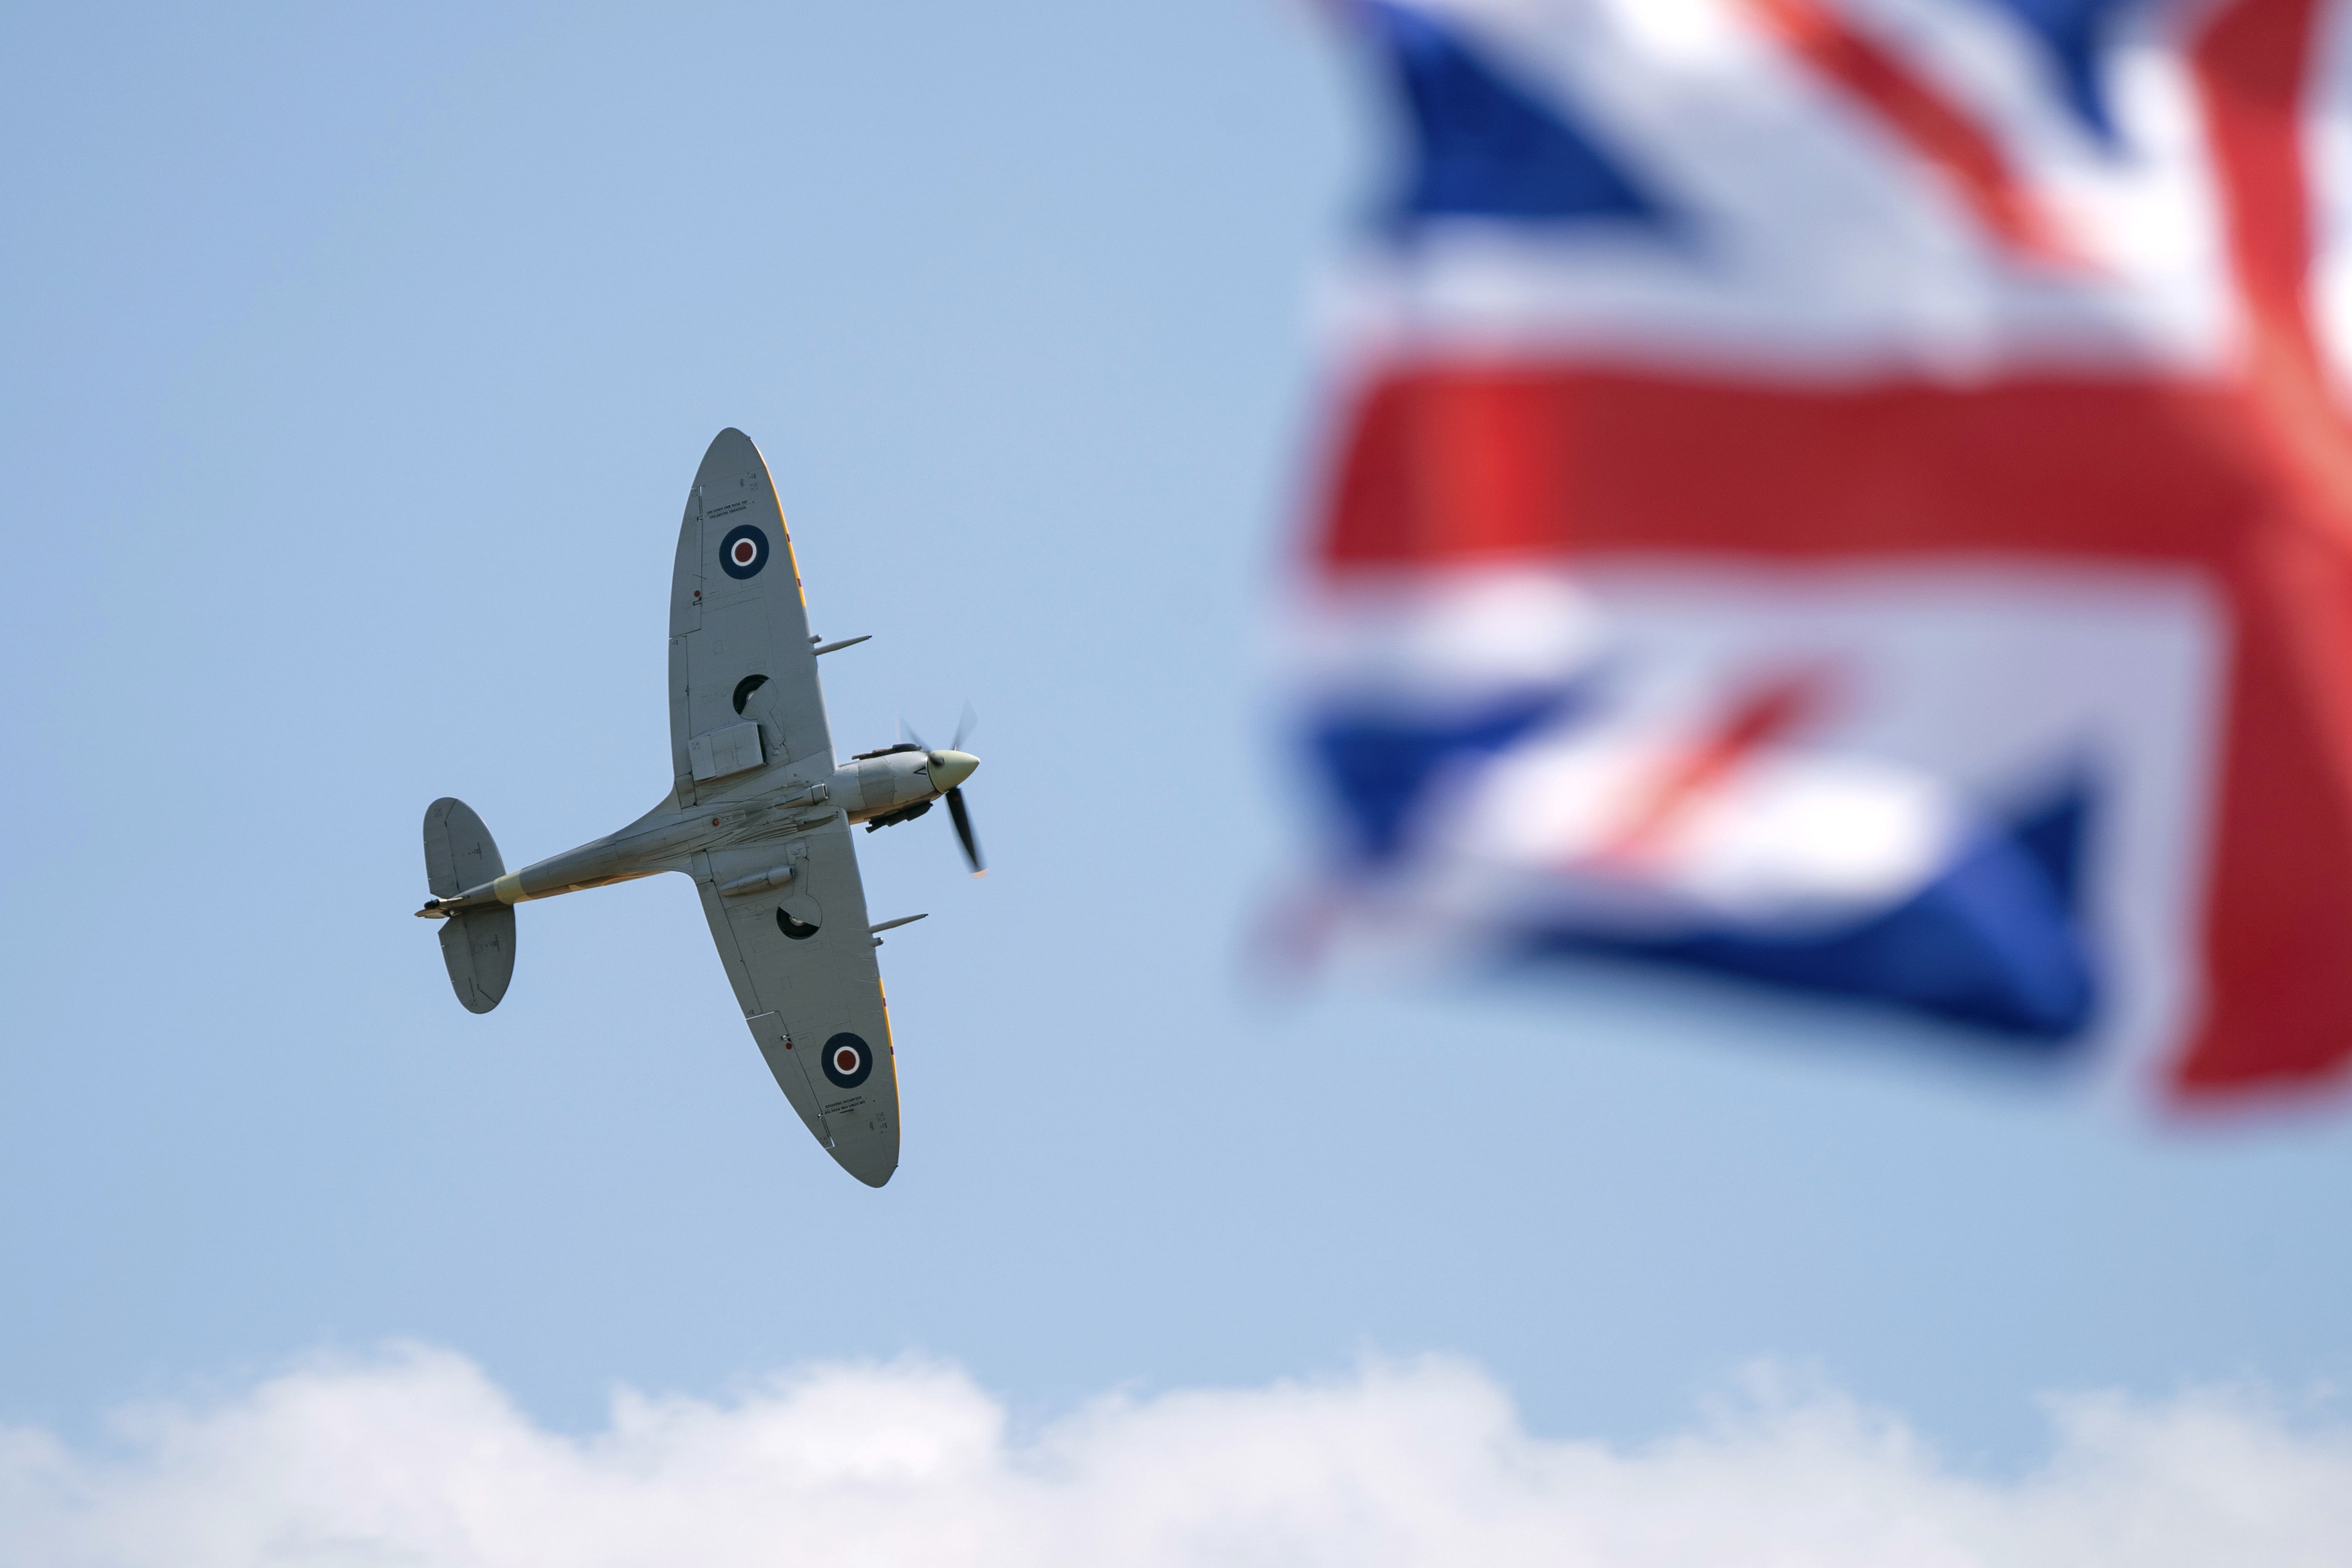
x=759, y=814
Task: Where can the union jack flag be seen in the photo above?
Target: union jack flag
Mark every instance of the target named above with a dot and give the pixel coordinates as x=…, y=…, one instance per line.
x=1854, y=495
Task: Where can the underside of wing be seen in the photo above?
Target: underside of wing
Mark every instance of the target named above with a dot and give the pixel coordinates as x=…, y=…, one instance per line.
x=745, y=706
x=799, y=950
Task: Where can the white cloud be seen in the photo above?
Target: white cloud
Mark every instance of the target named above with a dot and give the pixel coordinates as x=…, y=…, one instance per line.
x=417, y=1458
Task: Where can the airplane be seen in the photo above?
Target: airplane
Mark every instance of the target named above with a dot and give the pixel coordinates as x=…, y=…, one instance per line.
x=759, y=814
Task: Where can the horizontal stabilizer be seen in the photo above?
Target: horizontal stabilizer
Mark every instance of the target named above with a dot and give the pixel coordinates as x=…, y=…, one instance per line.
x=459, y=852
x=479, y=946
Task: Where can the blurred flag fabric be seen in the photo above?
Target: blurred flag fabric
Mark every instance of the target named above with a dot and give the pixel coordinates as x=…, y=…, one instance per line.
x=1853, y=495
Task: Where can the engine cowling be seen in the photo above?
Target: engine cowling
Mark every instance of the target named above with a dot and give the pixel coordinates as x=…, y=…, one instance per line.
x=885, y=784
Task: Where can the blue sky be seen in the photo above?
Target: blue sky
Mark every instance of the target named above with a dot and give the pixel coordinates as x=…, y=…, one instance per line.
x=358, y=364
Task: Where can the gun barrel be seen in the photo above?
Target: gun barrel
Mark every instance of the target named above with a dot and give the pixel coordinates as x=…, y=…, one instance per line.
x=759, y=881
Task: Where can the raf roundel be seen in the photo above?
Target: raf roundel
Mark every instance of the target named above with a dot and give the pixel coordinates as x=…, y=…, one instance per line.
x=847, y=1060
x=743, y=551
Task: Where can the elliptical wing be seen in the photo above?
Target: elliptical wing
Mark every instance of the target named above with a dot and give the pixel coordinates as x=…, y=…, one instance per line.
x=801, y=957
x=744, y=700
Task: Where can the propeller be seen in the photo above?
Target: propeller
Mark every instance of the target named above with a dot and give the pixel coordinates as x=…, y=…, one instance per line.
x=963, y=831
x=959, y=764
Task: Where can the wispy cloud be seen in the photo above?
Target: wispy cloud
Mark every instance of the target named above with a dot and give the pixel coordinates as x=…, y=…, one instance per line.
x=417, y=1457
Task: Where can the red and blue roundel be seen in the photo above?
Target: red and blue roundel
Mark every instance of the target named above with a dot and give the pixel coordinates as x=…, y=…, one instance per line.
x=847, y=1060
x=744, y=551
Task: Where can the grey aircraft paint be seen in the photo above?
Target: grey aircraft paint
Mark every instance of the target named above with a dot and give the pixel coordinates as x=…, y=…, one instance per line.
x=759, y=814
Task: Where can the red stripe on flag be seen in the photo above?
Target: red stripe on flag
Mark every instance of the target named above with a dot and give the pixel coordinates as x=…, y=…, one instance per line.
x=1455, y=464
x=1764, y=716
x=2251, y=65
x=1923, y=117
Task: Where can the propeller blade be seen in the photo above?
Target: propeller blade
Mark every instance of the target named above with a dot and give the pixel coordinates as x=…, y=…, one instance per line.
x=906, y=732
x=963, y=831
x=965, y=725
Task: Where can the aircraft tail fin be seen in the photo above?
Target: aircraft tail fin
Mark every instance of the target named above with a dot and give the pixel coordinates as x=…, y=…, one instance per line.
x=477, y=944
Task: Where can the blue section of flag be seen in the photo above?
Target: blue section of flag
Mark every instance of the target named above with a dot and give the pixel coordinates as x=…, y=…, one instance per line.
x=1381, y=768
x=1995, y=939
x=1486, y=146
x=2073, y=32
